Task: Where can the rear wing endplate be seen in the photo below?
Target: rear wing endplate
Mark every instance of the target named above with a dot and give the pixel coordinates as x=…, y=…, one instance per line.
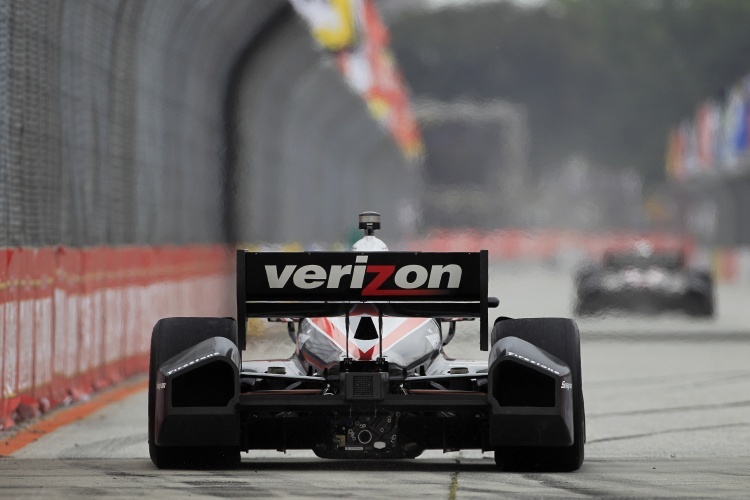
x=320, y=284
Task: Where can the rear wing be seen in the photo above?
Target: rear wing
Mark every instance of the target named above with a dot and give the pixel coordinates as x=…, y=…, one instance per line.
x=320, y=284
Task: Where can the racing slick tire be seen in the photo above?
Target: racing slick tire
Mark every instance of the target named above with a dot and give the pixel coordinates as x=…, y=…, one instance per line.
x=700, y=307
x=584, y=308
x=699, y=302
x=170, y=337
x=560, y=338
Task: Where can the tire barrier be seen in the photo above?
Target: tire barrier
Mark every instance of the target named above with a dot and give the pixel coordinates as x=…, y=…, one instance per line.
x=76, y=320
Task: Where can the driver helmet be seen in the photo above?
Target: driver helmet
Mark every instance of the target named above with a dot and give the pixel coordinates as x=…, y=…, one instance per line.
x=369, y=222
x=370, y=244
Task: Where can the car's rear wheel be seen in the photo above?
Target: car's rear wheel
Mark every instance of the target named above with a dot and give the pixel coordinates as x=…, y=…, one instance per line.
x=560, y=338
x=699, y=302
x=699, y=306
x=170, y=337
x=584, y=308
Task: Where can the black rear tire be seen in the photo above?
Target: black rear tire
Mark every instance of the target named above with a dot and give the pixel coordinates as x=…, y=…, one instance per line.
x=170, y=337
x=583, y=308
x=700, y=308
x=560, y=338
x=700, y=302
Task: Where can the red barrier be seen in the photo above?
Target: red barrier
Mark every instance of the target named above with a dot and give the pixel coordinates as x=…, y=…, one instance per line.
x=114, y=324
x=43, y=269
x=16, y=379
x=96, y=281
x=8, y=341
x=87, y=353
x=73, y=265
x=130, y=258
x=27, y=333
x=75, y=320
x=62, y=292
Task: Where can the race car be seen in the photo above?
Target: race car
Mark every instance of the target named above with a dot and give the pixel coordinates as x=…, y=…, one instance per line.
x=369, y=377
x=644, y=281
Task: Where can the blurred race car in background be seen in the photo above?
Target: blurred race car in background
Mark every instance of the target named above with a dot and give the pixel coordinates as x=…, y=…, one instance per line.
x=369, y=377
x=643, y=281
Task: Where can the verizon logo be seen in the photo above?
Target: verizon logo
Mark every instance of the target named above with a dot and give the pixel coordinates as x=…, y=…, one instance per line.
x=406, y=280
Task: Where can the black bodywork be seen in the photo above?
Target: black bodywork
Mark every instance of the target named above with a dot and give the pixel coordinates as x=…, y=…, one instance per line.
x=523, y=397
x=646, y=284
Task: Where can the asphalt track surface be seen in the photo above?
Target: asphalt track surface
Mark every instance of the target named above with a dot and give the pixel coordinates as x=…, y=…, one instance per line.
x=667, y=406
